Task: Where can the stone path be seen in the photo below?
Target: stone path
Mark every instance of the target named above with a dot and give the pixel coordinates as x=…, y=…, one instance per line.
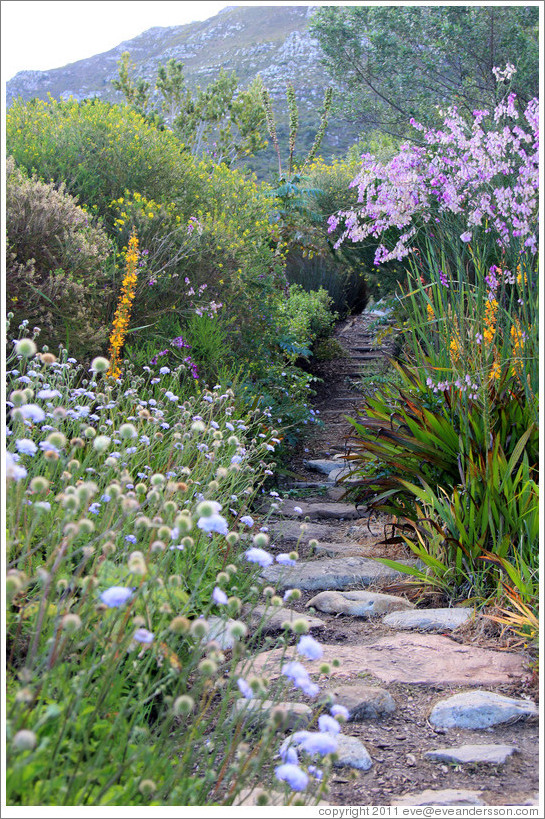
x=433, y=718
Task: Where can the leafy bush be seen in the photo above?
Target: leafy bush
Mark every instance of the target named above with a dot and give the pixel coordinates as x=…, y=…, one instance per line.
x=98, y=150
x=307, y=317
x=58, y=263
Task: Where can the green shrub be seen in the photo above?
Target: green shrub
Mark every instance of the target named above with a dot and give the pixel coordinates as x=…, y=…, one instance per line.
x=59, y=264
x=307, y=316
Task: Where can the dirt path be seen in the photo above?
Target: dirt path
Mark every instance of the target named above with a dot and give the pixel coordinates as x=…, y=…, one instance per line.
x=407, y=741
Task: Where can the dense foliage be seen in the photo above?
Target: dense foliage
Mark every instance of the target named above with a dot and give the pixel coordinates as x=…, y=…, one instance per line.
x=395, y=63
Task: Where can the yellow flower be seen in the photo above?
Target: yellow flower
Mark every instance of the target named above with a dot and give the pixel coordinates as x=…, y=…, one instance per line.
x=123, y=311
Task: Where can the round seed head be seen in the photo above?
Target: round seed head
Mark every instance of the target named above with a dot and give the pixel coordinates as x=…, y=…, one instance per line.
x=26, y=347
x=100, y=364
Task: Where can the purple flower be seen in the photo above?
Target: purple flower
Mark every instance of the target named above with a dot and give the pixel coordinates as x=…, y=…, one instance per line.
x=296, y=778
x=13, y=470
x=32, y=412
x=244, y=688
x=328, y=725
x=285, y=560
x=219, y=597
x=142, y=635
x=130, y=538
x=340, y=711
x=315, y=742
x=247, y=520
x=26, y=447
x=116, y=596
x=310, y=648
x=466, y=236
x=256, y=555
x=213, y=523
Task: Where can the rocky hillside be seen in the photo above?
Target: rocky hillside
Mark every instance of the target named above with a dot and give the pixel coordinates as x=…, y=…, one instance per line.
x=270, y=41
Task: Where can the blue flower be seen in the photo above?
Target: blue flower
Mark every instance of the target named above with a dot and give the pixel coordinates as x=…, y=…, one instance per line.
x=328, y=725
x=116, y=596
x=314, y=742
x=130, y=538
x=247, y=520
x=244, y=688
x=296, y=778
x=32, y=412
x=213, y=523
x=285, y=560
x=142, y=635
x=256, y=555
x=340, y=711
x=94, y=508
x=219, y=597
x=26, y=446
x=310, y=648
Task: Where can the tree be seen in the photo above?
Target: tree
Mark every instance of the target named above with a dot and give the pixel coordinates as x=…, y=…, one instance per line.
x=220, y=121
x=395, y=63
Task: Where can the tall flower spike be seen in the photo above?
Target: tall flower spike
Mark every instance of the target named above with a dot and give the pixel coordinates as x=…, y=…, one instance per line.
x=124, y=305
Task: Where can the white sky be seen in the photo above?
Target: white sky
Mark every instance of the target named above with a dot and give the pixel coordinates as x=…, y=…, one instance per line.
x=50, y=34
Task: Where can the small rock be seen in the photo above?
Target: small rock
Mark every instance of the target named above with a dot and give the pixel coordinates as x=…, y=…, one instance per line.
x=491, y=754
x=352, y=753
x=429, y=619
x=450, y=796
x=256, y=712
x=363, y=701
x=358, y=603
x=270, y=618
x=480, y=709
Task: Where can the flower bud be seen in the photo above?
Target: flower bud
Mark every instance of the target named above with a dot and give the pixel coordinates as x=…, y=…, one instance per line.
x=25, y=740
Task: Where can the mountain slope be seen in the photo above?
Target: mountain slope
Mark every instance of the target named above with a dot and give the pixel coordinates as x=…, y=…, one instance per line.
x=250, y=40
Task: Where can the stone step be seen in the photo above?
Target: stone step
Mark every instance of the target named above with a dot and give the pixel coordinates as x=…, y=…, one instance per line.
x=270, y=619
x=446, y=619
x=331, y=573
x=320, y=510
x=418, y=659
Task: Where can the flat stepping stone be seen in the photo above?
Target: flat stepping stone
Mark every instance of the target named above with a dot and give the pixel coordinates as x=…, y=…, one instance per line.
x=319, y=510
x=422, y=659
x=429, y=619
x=269, y=619
x=489, y=754
x=480, y=709
x=342, y=549
x=352, y=753
x=449, y=796
x=358, y=603
x=363, y=701
x=330, y=573
x=256, y=713
x=291, y=531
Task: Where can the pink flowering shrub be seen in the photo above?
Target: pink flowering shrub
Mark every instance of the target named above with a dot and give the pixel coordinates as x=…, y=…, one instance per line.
x=485, y=176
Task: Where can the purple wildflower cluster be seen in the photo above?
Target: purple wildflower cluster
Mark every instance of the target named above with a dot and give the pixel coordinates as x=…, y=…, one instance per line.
x=179, y=343
x=488, y=176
